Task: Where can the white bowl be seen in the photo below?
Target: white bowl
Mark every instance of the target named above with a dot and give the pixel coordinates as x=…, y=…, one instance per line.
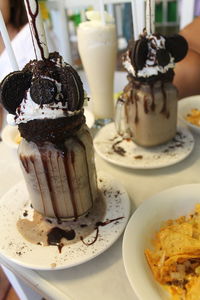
x=143, y=224
x=9, y=134
x=185, y=106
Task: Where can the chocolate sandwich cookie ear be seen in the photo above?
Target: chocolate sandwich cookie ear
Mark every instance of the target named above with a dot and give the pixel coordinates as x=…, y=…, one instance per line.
x=177, y=46
x=72, y=88
x=163, y=57
x=13, y=89
x=43, y=91
x=138, y=53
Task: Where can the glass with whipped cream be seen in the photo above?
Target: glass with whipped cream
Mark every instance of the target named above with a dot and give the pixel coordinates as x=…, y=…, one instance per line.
x=56, y=151
x=97, y=45
x=146, y=111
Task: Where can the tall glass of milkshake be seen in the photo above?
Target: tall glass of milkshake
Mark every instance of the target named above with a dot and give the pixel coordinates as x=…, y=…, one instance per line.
x=147, y=109
x=45, y=100
x=97, y=44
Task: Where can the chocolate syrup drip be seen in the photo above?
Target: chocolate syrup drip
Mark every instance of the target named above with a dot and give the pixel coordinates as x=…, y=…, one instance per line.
x=153, y=98
x=136, y=108
x=46, y=157
x=146, y=105
x=24, y=161
x=126, y=112
x=164, y=108
x=67, y=156
x=87, y=165
x=36, y=176
x=34, y=16
x=97, y=225
x=56, y=234
x=119, y=150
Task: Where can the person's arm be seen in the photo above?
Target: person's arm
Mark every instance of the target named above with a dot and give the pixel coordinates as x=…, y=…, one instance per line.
x=187, y=71
x=187, y=75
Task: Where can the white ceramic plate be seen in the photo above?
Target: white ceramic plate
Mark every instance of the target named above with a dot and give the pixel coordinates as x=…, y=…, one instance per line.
x=143, y=224
x=185, y=106
x=15, y=248
x=136, y=157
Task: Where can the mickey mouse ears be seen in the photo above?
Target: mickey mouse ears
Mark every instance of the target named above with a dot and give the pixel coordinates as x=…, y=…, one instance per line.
x=13, y=88
x=175, y=45
x=42, y=90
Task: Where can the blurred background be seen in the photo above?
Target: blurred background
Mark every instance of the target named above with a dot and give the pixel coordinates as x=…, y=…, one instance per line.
x=64, y=16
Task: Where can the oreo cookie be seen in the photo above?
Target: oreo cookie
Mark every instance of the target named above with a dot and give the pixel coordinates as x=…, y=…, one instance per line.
x=163, y=57
x=138, y=53
x=43, y=91
x=72, y=88
x=177, y=46
x=13, y=89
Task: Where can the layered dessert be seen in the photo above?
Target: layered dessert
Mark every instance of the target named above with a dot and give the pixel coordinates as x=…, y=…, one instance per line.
x=45, y=100
x=149, y=100
x=97, y=45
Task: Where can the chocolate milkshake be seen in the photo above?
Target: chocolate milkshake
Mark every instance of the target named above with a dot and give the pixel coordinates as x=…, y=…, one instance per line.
x=147, y=109
x=45, y=100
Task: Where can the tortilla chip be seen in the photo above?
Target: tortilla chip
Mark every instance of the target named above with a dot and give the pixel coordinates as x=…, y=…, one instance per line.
x=175, y=258
x=177, y=243
x=193, y=289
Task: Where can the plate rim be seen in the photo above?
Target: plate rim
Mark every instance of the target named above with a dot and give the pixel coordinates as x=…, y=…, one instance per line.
x=127, y=210
x=120, y=164
x=147, y=204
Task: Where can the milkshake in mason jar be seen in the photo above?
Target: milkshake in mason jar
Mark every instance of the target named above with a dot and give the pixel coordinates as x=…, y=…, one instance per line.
x=97, y=45
x=147, y=109
x=45, y=100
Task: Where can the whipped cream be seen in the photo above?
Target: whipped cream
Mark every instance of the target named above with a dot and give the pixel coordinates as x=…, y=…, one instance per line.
x=29, y=110
x=151, y=67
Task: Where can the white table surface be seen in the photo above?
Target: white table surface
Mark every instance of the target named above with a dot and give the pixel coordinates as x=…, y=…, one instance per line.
x=103, y=277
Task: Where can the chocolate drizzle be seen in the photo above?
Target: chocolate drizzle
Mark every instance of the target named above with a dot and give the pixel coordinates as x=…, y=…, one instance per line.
x=56, y=234
x=153, y=98
x=118, y=149
x=146, y=105
x=24, y=162
x=87, y=164
x=46, y=158
x=164, y=108
x=35, y=31
x=97, y=225
x=69, y=157
x=50, y=164
x=131, y=94
x=136, y=107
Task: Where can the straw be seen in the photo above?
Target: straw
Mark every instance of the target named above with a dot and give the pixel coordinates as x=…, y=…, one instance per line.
x=150, y=16
x=7, y=44
x=135, y=20
x=65, y=37
x=101, y=5
x=37, y=29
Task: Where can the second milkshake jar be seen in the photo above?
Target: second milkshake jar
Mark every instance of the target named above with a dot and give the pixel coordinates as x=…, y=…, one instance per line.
x=147, y=109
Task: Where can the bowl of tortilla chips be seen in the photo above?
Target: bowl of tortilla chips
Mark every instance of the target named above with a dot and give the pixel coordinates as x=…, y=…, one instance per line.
x=189, y=112
x=161, y=246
